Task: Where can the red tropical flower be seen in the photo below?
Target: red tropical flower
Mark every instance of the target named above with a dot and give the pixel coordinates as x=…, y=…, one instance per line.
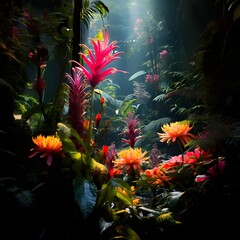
x=98, y=119
x=39, y=85
x=102, y=101
x=103, y=153
x=105, y=150
x=99, y=58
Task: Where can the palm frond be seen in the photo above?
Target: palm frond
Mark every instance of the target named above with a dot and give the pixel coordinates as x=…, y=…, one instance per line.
x=159, y=98
x=155, y=124
x=93, y=7
x=137, y=74
x=184, y=92
x=217, y=130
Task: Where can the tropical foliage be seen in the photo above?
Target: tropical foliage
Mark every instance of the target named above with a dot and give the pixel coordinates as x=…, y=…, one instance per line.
x=64, y=173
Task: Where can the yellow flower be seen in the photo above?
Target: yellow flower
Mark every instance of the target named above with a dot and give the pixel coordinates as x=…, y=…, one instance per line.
x=176, y=131
x=46, y=146
x=130, y=159
x=133, y=189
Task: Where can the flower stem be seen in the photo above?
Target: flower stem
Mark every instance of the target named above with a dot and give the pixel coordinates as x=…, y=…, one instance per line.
x=181, y=150
x=89, y=137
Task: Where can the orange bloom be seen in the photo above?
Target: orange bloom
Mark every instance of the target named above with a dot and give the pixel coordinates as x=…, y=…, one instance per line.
x=176, y=131
x=157, y=176
x=136, y=201
x=86, y=124
x=121, y=190
x=130, y=159
x=133, y=189
x=46, y=146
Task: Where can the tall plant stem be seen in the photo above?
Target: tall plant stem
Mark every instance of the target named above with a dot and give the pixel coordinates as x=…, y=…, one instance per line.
x=181, y=150
x=90, y=129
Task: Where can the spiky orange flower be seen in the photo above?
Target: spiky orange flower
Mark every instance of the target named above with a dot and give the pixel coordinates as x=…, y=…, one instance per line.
x=130, y=159
x=46, y=146
x=176, y=131
x=157, y=175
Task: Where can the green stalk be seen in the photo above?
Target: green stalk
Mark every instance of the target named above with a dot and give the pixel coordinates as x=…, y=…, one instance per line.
x=181, y=150
x=90, y=129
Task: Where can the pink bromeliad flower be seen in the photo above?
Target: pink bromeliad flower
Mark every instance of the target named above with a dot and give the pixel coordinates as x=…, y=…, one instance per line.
x=78, y=99
x=98, y=59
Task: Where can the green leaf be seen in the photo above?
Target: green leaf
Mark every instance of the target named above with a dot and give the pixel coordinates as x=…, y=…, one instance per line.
x=109, y=191
x=68, y=145
x=125, y=197
x=106, y=194
x=126, y=106
x=64, y=134
x=75, y=134
x=118, y=182
x=173, y=199
x=155, y=124
x=128, y=233
x=159, y=98
x=137, y=74
x=25, y=198
x=67, y=32
x=85, y=194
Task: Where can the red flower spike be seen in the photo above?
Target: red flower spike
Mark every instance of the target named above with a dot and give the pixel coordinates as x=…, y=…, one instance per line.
x=98, y=119
x=77, y=100
x=101, y=56
x=132, y=131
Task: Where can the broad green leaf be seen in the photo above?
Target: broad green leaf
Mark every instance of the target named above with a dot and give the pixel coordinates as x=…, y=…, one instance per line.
x=126, y=195
x=96, y=165
x=106, y=194
x=64, y=134
x=85, y=195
